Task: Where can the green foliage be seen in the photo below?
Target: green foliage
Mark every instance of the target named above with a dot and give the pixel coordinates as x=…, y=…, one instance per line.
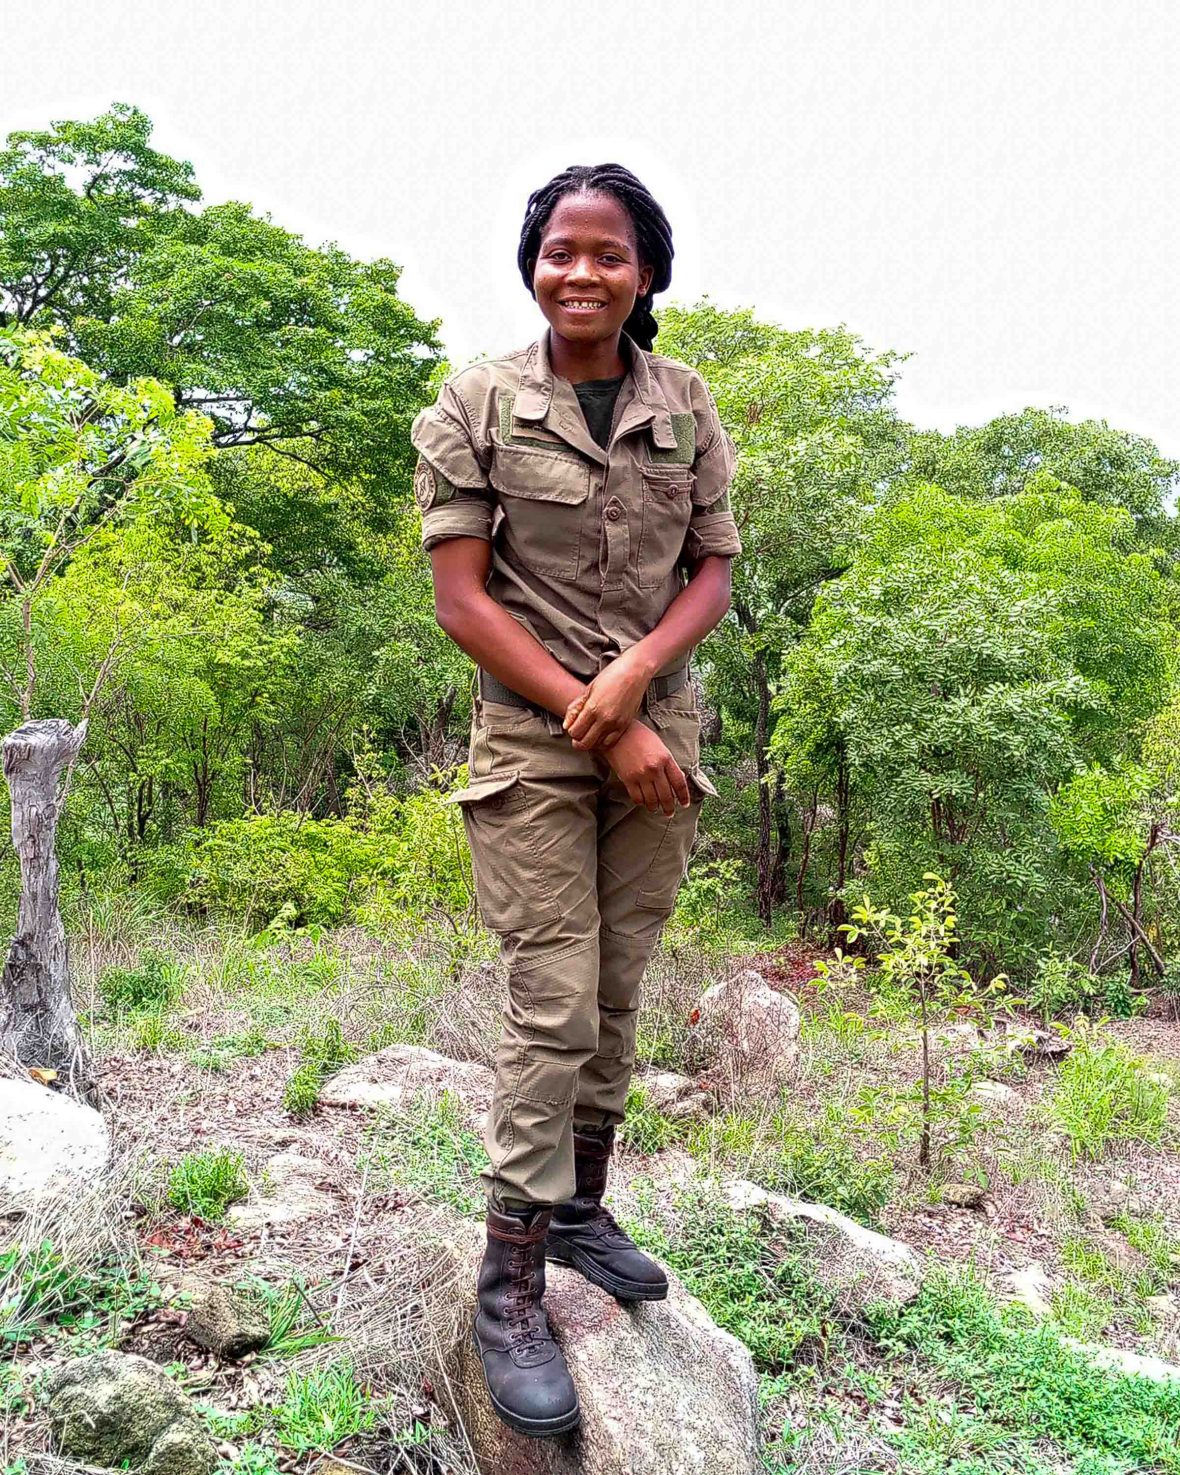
x=1061, y=987
x=206, y=1183
x=1028, y=1381
x=322, y=1052
x=428, y=1147
x=1104, y=1096
x=44, y=1294
x=153, y=985
x=645, y=1128
x=753, y=1284
x=323, y=1407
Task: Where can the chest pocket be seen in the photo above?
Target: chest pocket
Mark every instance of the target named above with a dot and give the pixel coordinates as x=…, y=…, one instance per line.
x=667, y=506
x=543, y=497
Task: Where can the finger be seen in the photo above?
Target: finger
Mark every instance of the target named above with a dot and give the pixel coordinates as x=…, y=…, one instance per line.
x=679, y=782
x=664, y=791
x=572, y=711
x=611, y=738
x=651, y=799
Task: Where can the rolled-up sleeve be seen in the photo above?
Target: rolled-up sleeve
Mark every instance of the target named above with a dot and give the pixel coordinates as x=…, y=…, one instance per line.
x=451, y=486
x=711, y=528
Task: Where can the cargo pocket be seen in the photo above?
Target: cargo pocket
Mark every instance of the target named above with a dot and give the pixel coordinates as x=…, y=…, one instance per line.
x=510, y=885
x=658, y=888
x=667, y=507
x=543, y=499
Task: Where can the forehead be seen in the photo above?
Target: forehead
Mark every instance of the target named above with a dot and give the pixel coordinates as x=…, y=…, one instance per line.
x=593, y=219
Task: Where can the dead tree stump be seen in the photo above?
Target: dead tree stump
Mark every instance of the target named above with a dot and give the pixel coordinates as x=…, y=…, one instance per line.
x=38, y=1024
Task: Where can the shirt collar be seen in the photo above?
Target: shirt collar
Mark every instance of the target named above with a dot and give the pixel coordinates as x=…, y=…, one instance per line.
x=536, y=387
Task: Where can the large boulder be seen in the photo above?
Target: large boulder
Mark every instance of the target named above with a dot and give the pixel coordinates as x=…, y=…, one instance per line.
x=858, y=1266
x=748, y=1031
x=50, y=1146
x=395, y=1076
x=119, y=1410
x=663, y=1390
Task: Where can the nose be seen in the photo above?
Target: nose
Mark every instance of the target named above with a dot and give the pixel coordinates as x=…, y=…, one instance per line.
x=583, y=270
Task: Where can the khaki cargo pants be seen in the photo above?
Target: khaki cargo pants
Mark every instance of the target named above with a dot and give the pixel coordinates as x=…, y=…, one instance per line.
x=577, y=881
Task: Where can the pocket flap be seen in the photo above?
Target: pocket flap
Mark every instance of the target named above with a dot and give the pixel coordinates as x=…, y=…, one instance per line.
x=703, y=782
x=543, y=476
x=483, y=788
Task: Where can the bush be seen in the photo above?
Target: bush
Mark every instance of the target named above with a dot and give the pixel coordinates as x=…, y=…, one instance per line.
x=154, y=984
x=1061, y=986
x=320, y=1055
x=206, y=1183
x=1106, y=1095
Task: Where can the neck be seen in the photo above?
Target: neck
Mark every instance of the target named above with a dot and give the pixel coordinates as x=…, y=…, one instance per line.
x=578, y=361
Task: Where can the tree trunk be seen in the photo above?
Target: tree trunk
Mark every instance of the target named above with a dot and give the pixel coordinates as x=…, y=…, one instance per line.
x=37, y=1021
x=761, y=744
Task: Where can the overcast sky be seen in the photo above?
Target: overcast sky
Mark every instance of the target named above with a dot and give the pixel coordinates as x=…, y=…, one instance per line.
x=993, y=187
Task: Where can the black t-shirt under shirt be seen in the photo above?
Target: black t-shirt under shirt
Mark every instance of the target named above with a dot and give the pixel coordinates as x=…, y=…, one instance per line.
x=597, y=398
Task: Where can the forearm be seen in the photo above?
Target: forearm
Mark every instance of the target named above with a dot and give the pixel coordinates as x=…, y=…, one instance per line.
x=503, y=646
x=697, y=609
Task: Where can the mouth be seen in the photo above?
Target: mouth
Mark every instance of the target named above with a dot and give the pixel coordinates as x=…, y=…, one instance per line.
x=584, y=305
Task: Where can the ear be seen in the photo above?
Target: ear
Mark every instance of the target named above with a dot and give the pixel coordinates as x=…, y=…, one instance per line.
x=645, y=275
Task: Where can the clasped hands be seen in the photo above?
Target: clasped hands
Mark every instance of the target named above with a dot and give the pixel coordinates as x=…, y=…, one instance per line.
x=603, y=719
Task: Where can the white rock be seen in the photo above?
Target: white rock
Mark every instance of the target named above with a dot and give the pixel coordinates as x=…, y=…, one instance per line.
x=393, y=1077
x=289, y=1193
x=675, y=1096
x=663, y=1389
x=859, y=1266
x=1032, y=1287
x=750, y=1028
x=996, y=1093
x=51, y=1147
x=1119, y=1360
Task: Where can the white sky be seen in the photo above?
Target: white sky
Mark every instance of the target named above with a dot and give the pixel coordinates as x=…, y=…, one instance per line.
x=991, y=186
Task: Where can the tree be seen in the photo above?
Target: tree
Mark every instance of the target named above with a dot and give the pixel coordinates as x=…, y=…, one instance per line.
x=818, y=439
x=79, y=457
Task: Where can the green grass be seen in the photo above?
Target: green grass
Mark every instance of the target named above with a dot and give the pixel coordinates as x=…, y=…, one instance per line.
x=322, y=1408
x=321, y=1052
x=1105, y=1096
x=645, y=1128
x=206, y=1183
x=428, y=1148
x=43, y=1295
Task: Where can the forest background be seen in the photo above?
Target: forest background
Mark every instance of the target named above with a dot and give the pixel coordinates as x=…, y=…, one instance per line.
x=948, y=653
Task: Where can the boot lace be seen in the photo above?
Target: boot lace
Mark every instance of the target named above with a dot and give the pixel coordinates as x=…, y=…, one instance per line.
x=526, y=1329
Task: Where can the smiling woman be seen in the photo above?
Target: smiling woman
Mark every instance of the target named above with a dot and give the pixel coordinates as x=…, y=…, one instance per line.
x=574, y=500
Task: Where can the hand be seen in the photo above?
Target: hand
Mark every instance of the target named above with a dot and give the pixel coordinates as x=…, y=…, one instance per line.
x=599, y=716
x=652, y=776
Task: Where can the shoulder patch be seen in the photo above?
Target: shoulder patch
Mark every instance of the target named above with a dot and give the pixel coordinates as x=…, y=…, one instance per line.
x=430, y=489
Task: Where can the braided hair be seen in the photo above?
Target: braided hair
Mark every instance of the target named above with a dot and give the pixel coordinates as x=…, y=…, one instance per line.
x=653, y=234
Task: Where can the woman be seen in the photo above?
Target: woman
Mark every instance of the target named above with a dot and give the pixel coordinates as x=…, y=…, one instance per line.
x=574, y=504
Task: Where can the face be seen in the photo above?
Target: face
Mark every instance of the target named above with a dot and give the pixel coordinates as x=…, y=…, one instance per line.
x=587, y=273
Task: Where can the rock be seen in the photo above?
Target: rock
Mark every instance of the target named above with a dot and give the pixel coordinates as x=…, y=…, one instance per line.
x=393, y=1077
x=1031, y=1287
x=858, y=1266
x=663, y=1390
x=228, y=1322
x=1120, y=1360
x=677, y=1097
x=116, y=1409
x=290, y=1193
x=1036, y=1043
x=1108, y=1200
x=964, y=1195
x=996, y=1093
x=50, y=1146
x=748, y=1027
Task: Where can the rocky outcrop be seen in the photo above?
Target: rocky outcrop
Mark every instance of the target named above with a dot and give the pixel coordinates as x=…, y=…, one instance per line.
x=858, y=1266
x=50, y=1146
x=663, y=1390
x=119, y=1410
x=748, y=1031
x=396, y=1076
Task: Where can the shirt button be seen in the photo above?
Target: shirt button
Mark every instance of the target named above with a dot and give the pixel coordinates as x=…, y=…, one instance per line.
x=613, y=513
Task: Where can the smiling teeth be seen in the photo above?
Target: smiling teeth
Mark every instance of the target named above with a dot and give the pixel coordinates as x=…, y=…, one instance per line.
x=584, y=304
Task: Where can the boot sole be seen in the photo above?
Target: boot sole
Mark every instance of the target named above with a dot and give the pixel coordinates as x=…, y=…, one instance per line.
x=622, y=1290
x=534, y=1428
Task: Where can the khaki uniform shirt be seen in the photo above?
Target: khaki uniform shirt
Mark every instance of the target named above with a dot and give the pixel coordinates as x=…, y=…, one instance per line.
x=589, y=545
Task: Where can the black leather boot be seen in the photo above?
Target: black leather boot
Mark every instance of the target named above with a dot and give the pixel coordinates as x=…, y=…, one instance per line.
x=529, y=1383
x=584, y=1234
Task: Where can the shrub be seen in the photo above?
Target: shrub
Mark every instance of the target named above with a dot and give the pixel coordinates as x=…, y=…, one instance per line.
x=206, y=1183
x=154, y=984
x=1061, y=986
x=320, y=1054
x=1106, y=1095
